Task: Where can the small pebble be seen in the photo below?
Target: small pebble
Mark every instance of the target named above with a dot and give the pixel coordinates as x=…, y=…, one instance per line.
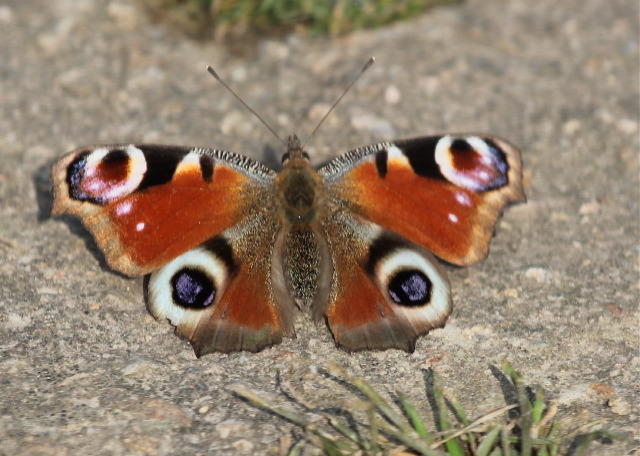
x=243, y=446
x=571, y=127
x=539, y=275
x=128, y=16
x=229, y=428
x=6, y=15
x=511, y=293
x=619, y=406
x=392, y=95
x=589, y=208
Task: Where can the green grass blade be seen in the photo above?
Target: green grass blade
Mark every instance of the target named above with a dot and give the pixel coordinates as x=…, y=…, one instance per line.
x=380, y=403
x=488, y=442
x=265, y=403
x=538, y=406
x=345, y=431
x=373, y=446
x=330, y=448
x=411, y=440
x=457, y=408
x=296, y=449
x=453, y=446
x=526, y=419
x=414, y=418
x=504, y=439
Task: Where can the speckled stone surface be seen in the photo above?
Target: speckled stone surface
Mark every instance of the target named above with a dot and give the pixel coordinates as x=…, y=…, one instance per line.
x=86, y=370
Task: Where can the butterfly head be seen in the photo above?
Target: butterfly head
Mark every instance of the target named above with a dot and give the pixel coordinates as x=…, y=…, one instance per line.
x=294, y=150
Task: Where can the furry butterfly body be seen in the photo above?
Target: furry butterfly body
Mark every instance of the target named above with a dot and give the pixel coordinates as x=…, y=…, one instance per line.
x=233, y=248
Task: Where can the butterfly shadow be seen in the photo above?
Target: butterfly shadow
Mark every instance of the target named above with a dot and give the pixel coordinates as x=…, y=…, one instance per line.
x=271, y=156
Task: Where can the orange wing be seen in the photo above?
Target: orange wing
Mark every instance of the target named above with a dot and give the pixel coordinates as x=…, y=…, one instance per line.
x=145, y=205
x=444, y=193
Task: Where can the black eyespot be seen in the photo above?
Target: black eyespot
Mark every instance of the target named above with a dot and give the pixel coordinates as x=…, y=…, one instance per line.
x=192, y=289
x=116, y=156
x=501, y=159
x=75, y=174
x=410, y=287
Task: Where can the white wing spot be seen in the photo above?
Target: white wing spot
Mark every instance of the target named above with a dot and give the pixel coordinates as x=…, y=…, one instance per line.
x=463, y=199
x=140, y=226
x=189, y=163
x=394, y=152
x=124, y=208
x=453, y=218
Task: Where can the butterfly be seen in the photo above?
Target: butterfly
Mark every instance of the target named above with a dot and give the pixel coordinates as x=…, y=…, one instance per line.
x=234, y=248
x=231, y=248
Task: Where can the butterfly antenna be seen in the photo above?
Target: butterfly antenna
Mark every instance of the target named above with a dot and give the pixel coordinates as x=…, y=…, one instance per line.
x=364, y=68
x=224, y=84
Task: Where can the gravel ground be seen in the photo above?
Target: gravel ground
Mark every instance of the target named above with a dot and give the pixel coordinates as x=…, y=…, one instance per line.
x=85, y=368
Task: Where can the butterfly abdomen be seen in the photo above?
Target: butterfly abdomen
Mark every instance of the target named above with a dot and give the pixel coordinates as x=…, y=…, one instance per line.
x=301, y=262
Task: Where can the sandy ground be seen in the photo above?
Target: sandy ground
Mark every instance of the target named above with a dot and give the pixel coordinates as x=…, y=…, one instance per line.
x=85, y=368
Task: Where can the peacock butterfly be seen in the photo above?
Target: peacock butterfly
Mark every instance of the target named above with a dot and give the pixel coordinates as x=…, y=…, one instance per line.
x=233, y=247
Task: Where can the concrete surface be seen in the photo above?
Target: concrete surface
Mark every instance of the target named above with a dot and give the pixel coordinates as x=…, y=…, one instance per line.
x=86, y=370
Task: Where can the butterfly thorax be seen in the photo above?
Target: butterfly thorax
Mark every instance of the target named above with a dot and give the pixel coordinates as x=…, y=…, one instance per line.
x=298, y=186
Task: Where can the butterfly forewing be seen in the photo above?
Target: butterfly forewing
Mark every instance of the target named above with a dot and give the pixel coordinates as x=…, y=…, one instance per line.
x=147, y=204
x=444, y=193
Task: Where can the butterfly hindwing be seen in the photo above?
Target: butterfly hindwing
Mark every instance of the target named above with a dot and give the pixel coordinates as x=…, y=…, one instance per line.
x=225, y=294
x=147, y=204
x=444, y=193
x=387, y=291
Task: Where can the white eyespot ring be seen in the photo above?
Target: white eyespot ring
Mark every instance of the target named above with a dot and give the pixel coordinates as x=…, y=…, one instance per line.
x=161, y=300
x=136, y=169
x=445, y=159
x=406, y=259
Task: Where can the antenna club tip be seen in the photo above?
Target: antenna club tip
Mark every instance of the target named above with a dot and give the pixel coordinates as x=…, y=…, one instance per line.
x=212, y=71
x=368, y=64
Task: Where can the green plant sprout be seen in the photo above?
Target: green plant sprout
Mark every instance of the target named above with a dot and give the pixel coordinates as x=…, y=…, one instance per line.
x=530, y=427
x=220, y=18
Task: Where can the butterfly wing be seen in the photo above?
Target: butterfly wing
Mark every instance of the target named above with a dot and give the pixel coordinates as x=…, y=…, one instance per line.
x=202, y=219
x=443, y=193
x=145, y=205
x=432, y=194
x=225, y=295
x=386, y=292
